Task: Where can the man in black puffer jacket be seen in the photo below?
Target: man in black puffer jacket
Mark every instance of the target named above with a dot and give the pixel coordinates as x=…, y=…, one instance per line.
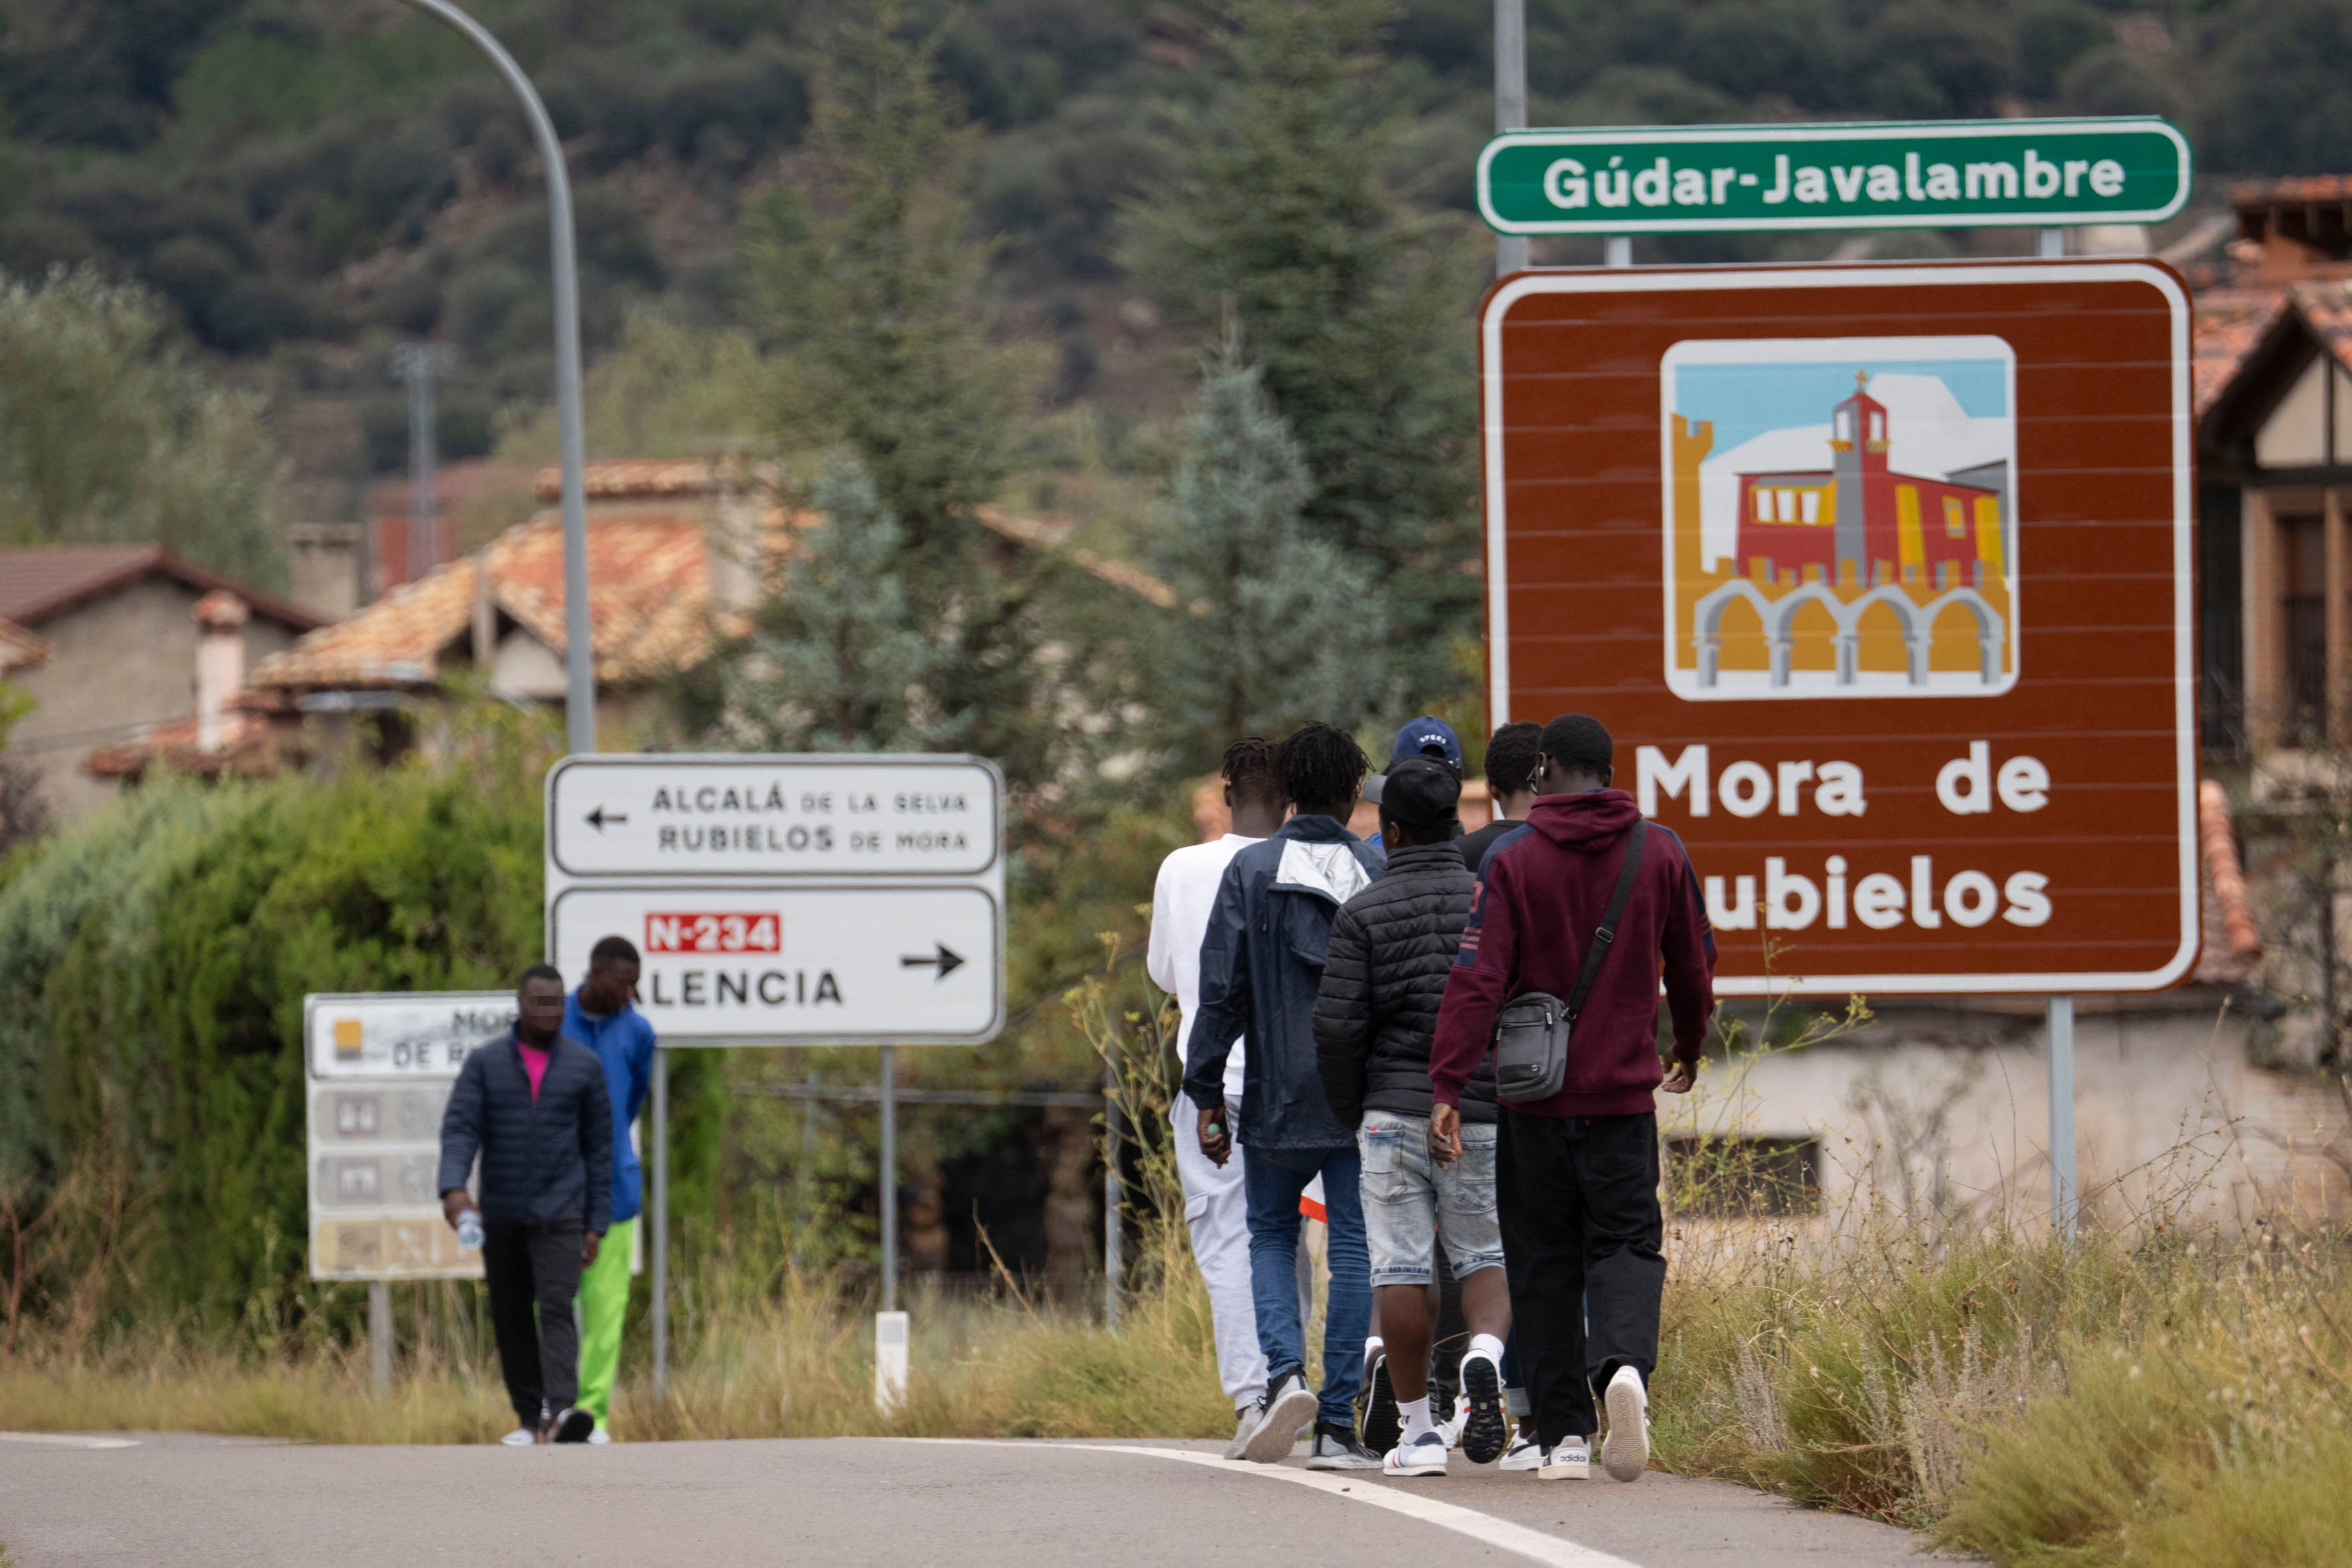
x=534, y=1105
x=1392, y=946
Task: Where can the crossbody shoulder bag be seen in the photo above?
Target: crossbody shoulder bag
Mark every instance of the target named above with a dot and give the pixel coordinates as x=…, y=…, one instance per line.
x=1531, y=1029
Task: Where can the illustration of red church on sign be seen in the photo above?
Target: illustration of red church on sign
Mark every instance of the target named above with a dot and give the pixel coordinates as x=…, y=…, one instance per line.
x=1858, y=523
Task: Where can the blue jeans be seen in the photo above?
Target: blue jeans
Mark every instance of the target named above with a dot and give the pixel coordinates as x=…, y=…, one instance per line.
x=1273, y=1180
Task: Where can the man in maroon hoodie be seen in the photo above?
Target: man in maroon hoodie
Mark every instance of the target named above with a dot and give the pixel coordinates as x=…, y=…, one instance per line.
x=1576, y=1179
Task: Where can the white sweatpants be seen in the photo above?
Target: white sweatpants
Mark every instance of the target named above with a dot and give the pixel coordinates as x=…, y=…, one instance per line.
x=1217, y=1214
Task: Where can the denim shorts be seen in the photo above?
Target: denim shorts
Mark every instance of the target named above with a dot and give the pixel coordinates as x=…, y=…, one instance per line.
x=1408, y=1201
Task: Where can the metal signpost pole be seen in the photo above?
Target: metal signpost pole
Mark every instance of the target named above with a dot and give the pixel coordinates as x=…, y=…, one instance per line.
x=1510, y=107
x=2062, y=1190
x=2050, y=243
x=887, y=1180
x=380, y=1337
x=579, y=658
x=660, y=1305
x=1114, y=1240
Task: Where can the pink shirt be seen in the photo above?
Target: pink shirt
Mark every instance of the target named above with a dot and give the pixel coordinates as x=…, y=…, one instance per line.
x=534, y=1062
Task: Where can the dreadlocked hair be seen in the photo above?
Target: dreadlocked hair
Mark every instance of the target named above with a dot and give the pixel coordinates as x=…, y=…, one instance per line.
x=1249, y=767
x=1511, y=756
x=1321, y=768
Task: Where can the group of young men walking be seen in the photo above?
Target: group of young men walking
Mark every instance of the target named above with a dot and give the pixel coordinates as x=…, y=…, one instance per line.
x=1338, y=999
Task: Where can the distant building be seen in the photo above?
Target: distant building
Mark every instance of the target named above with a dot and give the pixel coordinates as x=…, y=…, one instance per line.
x=123, y=631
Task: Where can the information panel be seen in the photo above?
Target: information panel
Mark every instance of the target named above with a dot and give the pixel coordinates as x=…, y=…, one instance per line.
x=378, y=1070
x=1880, y=576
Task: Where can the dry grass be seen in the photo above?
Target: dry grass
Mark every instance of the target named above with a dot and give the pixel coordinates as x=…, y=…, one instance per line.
x=798, y=1364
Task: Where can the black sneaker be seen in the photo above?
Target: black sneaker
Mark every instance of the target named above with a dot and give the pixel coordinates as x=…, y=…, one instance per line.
x=1378, y=1424
x=573, y=1426
x=1485, y=1432
x=1335, y=1448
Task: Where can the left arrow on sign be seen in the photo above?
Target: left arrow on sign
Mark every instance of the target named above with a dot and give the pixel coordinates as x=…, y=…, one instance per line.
x=948, y=960
x=598, y=817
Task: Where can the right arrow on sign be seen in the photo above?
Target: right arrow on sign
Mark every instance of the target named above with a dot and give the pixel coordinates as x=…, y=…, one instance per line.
x=947, y=959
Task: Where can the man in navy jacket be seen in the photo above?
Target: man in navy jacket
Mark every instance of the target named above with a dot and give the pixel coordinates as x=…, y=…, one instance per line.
x=1261, y=963
x=534, y=1106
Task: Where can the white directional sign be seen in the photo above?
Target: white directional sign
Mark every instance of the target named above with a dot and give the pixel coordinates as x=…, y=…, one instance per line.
x=787, y=899
x=743, y=816
x=379, y=1070
x=898, y=964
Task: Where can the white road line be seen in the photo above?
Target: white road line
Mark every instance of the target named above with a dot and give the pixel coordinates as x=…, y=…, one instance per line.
x=1482, y=1528
x=67, y=1440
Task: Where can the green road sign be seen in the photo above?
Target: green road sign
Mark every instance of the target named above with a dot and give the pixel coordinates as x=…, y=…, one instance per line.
x=2038, y=174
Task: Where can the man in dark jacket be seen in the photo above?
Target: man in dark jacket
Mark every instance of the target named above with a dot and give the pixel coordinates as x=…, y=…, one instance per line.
x=534, y=1104
x=1576, y=1180
x=1510, y=788
x=1260, y=962
x=1392, y=948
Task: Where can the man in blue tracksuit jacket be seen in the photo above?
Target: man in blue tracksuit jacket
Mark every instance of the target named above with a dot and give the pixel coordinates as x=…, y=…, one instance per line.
x=1261, y=962
x=599, y=1016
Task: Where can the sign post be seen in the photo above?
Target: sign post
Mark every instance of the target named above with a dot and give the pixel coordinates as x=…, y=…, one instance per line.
x=1884, y=589
x=821, y=899
x=2020, y=174
x=377, y=1069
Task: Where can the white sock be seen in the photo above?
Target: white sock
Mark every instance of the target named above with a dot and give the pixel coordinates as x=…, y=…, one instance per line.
x=1416, y=1416
x=1372, y=1346
x=1489, y=1344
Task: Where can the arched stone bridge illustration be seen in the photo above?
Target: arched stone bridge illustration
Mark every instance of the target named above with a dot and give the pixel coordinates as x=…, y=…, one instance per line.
x=1779, y=614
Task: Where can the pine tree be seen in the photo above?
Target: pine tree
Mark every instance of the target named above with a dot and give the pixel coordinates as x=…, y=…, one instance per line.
x=1276, y=625
x=835, y=663
x=1358, y=314
x=872, y=290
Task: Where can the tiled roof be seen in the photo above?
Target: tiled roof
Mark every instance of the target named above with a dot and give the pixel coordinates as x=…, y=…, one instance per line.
x=2232, y=323
x=648, y=594
x=244, y=749
x=1043, y=533
x=20, y=649
x=37, y=581
x=2232, y=943
x=653, y=479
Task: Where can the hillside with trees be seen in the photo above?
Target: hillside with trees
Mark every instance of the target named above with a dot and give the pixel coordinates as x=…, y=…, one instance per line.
x=303, y=181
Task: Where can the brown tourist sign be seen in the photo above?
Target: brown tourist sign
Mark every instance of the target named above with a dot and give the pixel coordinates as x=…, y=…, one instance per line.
x=1881, y=577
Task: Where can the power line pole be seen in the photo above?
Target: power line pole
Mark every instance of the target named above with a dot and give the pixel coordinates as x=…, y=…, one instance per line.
x=1510, y=107
x=417, y=365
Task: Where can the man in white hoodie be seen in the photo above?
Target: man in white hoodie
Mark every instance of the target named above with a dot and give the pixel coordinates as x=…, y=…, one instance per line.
x=1214, y=1209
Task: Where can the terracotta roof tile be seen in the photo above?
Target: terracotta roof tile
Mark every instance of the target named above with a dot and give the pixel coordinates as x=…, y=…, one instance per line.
x=2232, y=943
x=2232, y=323
x=20, y=649
x=244, y=749
x=648, y=599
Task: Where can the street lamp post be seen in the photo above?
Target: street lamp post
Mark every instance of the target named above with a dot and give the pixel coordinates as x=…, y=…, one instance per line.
x=579, y=652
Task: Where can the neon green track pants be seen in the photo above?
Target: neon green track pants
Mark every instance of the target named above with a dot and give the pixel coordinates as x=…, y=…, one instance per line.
x=603, y=1308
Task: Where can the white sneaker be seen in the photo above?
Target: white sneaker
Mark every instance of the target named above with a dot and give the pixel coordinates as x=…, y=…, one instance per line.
x=600, y=1436
x=1524, y=1453
x=1423, y=1456
x=1625, y=1452
x=1245, y=1420
x=1569, y=1460
x=521, y=1437
x=1289, y=1404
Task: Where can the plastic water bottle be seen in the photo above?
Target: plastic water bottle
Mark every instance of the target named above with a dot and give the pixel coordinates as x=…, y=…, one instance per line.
x=469, y=1229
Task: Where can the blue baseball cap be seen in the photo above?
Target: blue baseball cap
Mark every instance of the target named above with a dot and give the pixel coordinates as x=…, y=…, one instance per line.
x=1427, y=736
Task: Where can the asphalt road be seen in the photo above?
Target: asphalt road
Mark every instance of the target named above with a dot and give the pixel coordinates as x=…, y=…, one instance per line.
x=197, y=1501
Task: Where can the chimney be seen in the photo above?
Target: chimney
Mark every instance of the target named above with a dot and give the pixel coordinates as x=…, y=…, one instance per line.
x=220, y=662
